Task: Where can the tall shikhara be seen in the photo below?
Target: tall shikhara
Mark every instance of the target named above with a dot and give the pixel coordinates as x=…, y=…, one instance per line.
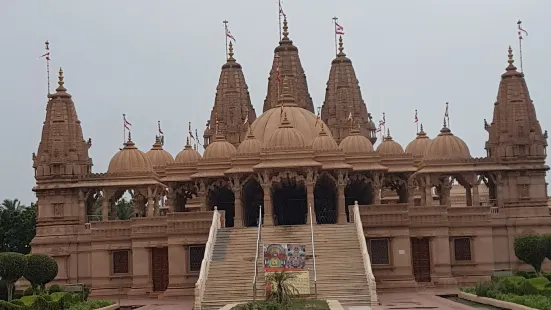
x=287, y=62
x=232, y=105
x=344, y=107
x=63, y=153
x=516, y=140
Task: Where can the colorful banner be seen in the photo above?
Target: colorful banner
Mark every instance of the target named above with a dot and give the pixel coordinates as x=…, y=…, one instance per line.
x=284, y=257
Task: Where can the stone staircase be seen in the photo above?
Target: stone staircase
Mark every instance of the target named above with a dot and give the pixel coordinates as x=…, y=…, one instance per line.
x=339, y=265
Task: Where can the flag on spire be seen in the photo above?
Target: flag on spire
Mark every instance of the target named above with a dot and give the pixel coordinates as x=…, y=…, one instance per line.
x=416, y=117
x=47, y=51
x=339, y=29
x=190, y=132
x=521, y=30
x=126, y=123
x=229, y=35
x=281, y=13
x=159, y=126
x=447, y=114
x=318, y=116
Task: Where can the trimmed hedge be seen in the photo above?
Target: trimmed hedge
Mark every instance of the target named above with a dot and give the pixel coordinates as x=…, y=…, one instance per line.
x=12, y=267
x=55, y=301
x=41, y=270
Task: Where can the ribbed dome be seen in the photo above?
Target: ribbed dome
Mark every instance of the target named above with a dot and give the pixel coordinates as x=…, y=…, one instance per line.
x=251, y=145
x=219, y=149
x=188, y=155
x=129, y=160
x=306, y=122
x=286, y=137
x=419, y=145
x=356, y=143
x=324, y=142
x=158, y=156
x=389, y=146
x=447, y=146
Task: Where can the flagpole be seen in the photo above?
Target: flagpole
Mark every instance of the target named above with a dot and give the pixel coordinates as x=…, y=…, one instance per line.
x=48, y=64
x=416, y=121
x=124, y=128
x=335, y=19
x=226, y=36
x=519, y=44
x=279, y=17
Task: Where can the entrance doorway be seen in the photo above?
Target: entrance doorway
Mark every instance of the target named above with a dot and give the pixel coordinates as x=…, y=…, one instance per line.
x=290, y=205
x=358, y=190
x=224, y=199
x=159, y=262
x=420, y=257
x=253, y=199
x=325, y=201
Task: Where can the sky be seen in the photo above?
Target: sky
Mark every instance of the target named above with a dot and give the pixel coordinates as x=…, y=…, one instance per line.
x=161, y=60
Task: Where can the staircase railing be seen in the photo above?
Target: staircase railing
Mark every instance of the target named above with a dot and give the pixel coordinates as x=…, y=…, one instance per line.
x=207, y=258
x=313, y=251
x=258, y=239
x=365, y=256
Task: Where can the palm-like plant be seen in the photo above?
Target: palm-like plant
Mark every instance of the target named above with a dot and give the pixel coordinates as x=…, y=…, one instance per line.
x=281, y=289
x=12, y=205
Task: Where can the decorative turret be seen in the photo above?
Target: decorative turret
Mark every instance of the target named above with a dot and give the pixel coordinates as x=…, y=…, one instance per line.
x=343, y=98
x=63, y=152
x=515, y=131
x=232, y=104
x=516, y=139
x=287, y=63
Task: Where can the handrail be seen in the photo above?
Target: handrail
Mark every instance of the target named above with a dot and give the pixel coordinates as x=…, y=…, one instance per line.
x=258, y=238
x=207, y=258
x=365, y=256
x=313, y=251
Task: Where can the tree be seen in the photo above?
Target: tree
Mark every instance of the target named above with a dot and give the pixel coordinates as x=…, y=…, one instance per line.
x=281, y=289
x=531, y=250
x=41, y=270
x=17, y=226
x=12, y=268
x=123, y=209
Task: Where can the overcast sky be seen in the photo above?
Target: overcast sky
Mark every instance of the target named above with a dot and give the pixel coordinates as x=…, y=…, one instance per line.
x=160, y=60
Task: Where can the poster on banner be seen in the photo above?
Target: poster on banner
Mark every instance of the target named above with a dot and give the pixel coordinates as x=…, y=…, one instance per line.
x=299, y=283
x=296, y=256
x=283, y=257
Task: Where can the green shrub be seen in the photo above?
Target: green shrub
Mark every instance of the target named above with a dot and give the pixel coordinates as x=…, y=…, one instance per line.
x=91, y=304
x=12, y=268
x=29, y=300
x=531, y=250
x=29, y=291
x=41, y=270
x=534, y=301
x=526, y=274
x=4, y=305
x=54, y=289
x=18, y=302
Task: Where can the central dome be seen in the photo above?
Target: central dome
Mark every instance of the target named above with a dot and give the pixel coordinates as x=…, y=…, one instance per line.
x=306, y=122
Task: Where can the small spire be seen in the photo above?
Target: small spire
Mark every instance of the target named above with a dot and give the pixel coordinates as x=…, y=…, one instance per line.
x=341, y=47
x=250, y=134
x=510, y=60
x=421, y=132
x=61, y=87
x=187, y=143
x=230, y=53
x=388, y=133
x=322, y=131
x=285, y=122
x=285, y=29
x=445, y=124
x=129, y=136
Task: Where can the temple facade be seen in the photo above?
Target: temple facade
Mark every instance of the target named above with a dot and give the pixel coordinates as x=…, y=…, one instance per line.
x=430, y=213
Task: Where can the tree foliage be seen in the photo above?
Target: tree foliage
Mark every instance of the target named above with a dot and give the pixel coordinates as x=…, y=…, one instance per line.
x=531, y=250
x=41, y=270
x=12, y=268
x=17, y=226
x=281, y=289
x=123, y=208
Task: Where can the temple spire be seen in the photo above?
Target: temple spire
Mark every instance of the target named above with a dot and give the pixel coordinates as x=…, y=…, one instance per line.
x=341, y=47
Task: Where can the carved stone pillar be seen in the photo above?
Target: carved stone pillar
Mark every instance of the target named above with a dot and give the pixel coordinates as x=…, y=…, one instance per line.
x=377, y=188
x=411, y=193
x=428, y=191
x=476, y=196
x=445, y=194
x=202, y=194
x=468, y=196
x=105, y=206
x=81, y=207
x=310, y=182
x=170, y=199
x=150, y=202
x=341, y=202
x=238, y=204
x=268, y=208
x=499, y=190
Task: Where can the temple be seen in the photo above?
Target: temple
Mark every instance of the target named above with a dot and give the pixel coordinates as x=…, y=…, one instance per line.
x=383, y=217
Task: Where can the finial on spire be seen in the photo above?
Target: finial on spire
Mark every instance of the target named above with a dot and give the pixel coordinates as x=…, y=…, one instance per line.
x=129, y=136
x=341, y=47
x=187, y=142
x=230, y=53
x=61, y=87
x=388, y=132
x=285, y=29
x=445, y=124
x=510, y=56
x=421, y=131
x=217, y=126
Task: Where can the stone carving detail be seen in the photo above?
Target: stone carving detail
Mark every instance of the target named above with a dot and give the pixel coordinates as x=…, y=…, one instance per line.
x=58, y=209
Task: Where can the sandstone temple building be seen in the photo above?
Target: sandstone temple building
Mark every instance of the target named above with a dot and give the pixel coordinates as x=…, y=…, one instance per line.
x=427, y=213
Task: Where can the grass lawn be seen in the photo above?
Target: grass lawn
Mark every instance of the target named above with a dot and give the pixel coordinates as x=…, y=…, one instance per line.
x=296, y=304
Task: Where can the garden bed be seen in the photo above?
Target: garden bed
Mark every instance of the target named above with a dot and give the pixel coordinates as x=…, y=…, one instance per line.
x=296, y=304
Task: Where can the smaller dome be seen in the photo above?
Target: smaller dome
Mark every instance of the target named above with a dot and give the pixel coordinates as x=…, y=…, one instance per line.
x=219, y=149
x=286, y=136
x=157, y=155
x=324, y=142
x=447, y=146
x=188, y=155
x=389, y=146
x=419, y=145
x=129, y=159
x=251, y=145
x=356, y=143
